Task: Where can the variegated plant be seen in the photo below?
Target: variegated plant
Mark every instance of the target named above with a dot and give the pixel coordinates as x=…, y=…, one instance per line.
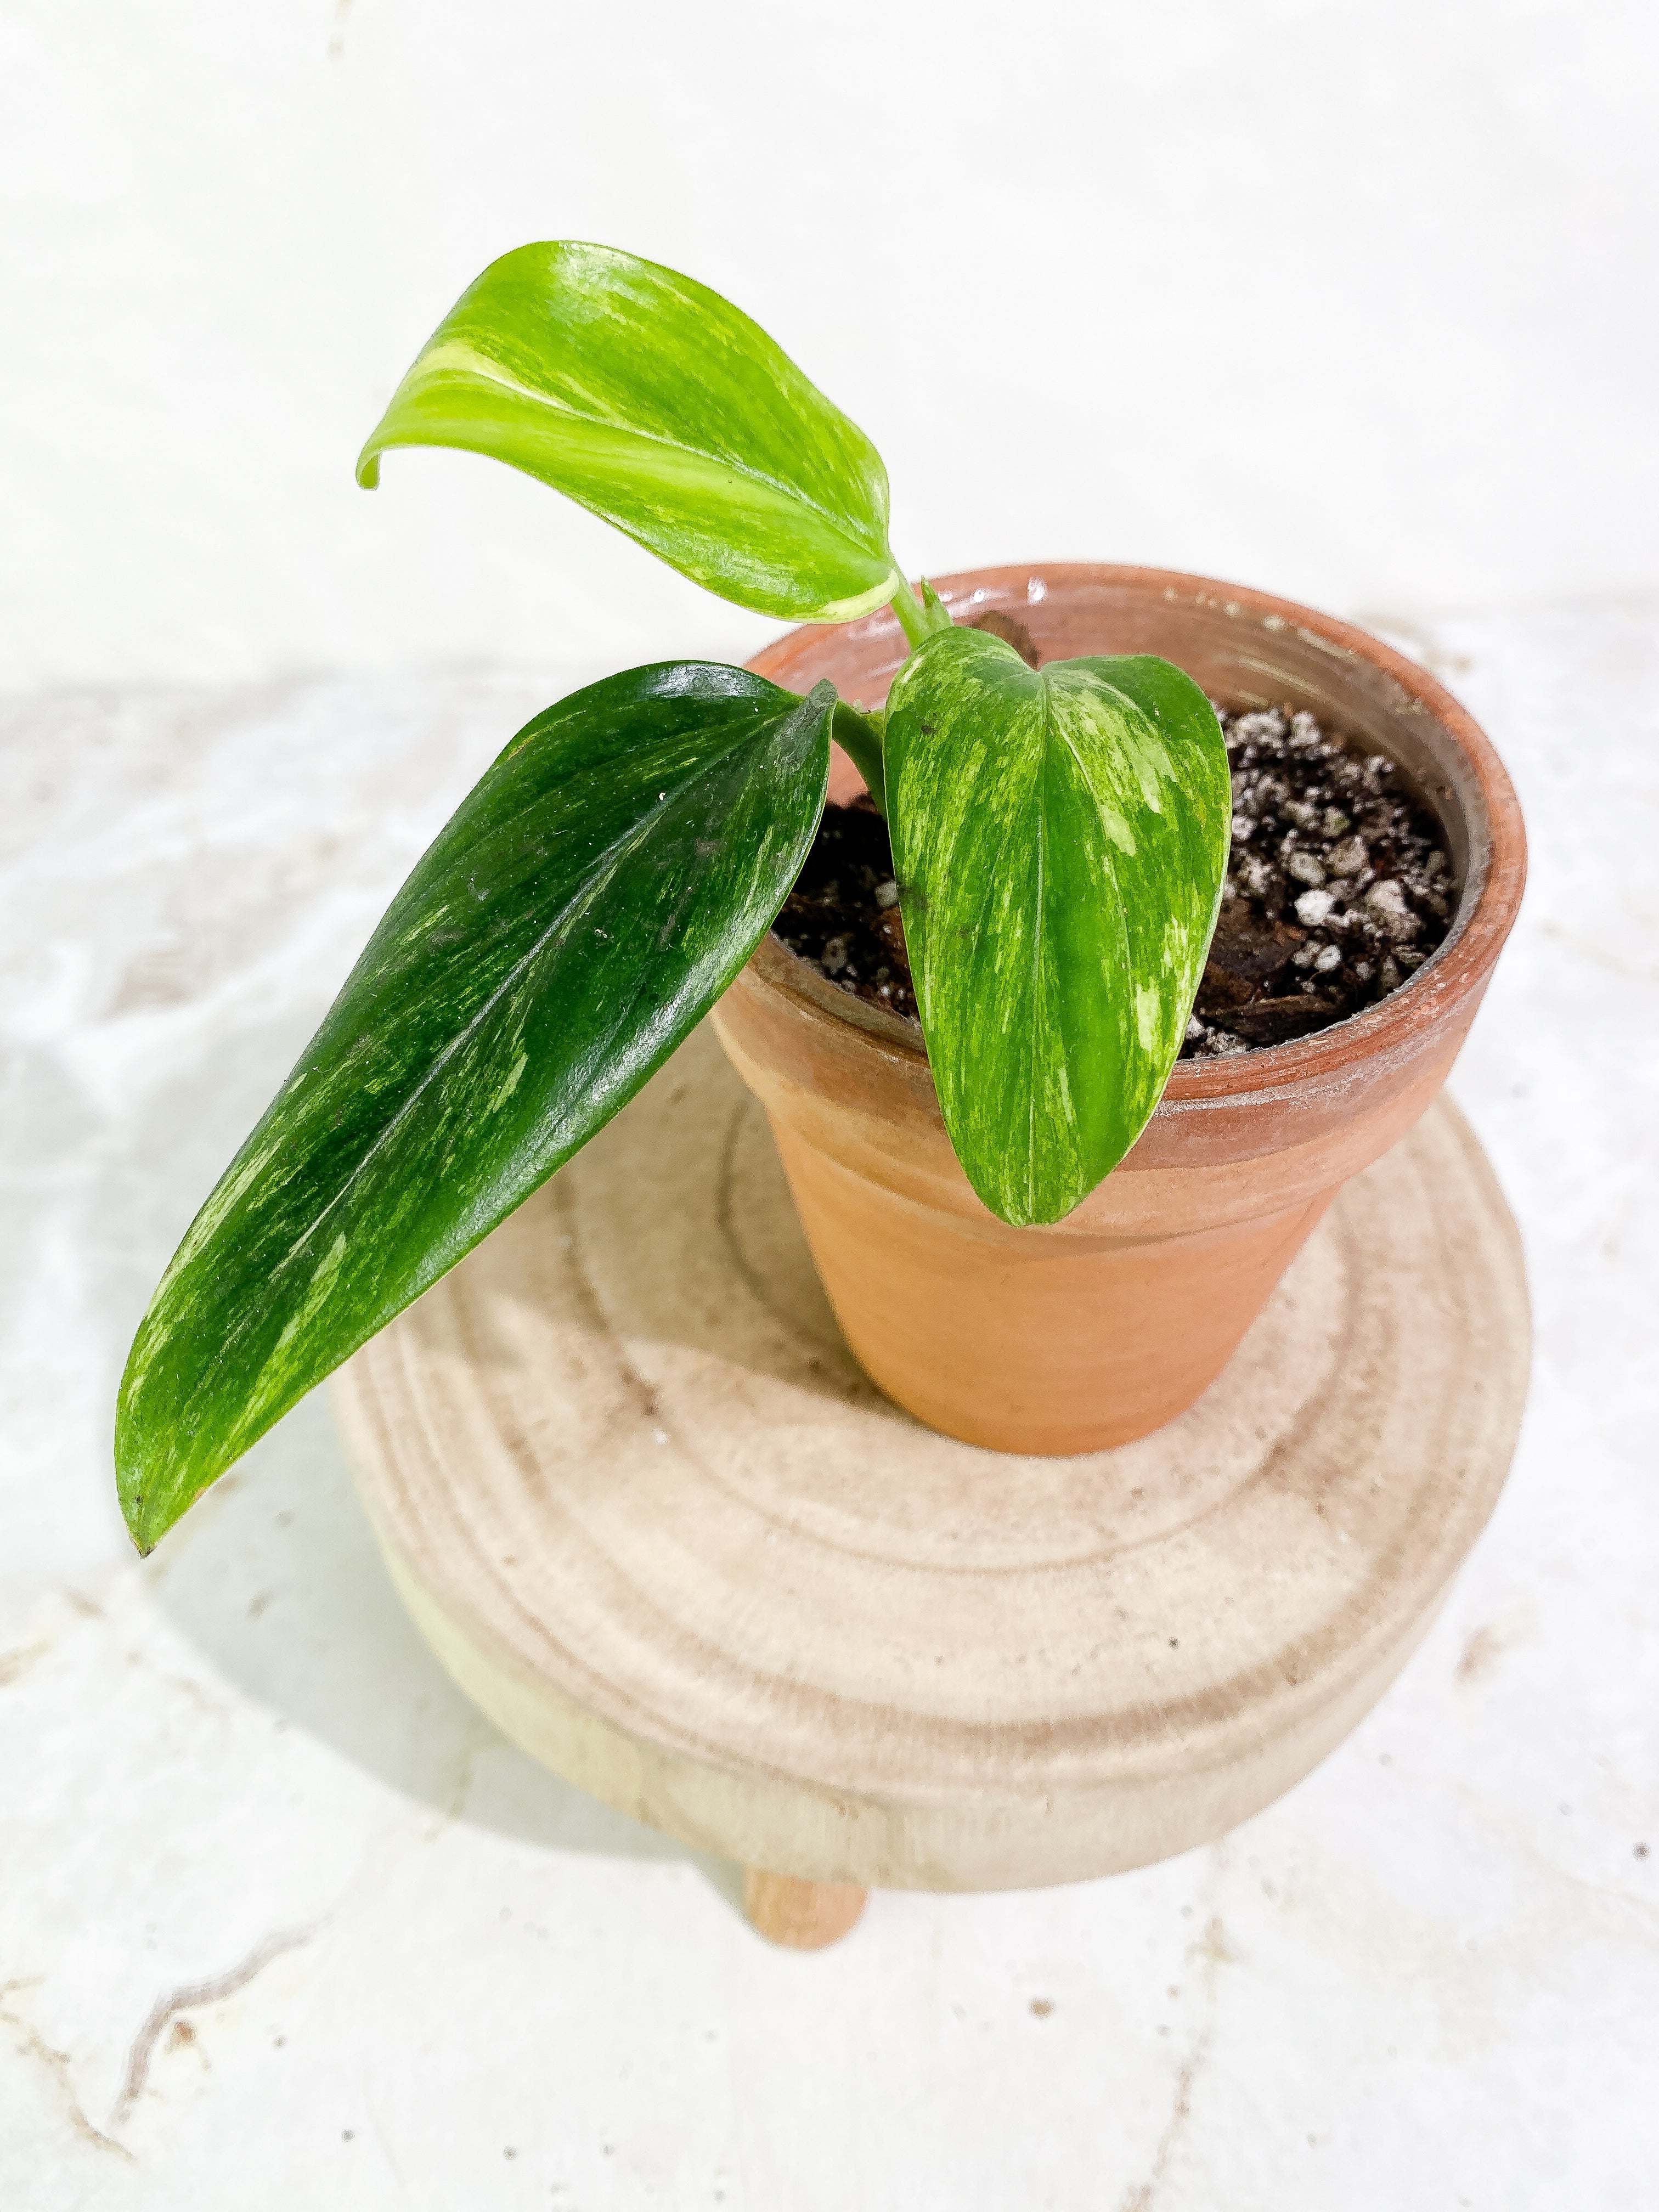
x=1060, y=836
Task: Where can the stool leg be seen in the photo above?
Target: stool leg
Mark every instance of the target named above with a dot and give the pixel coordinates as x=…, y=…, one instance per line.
x=803, y=1916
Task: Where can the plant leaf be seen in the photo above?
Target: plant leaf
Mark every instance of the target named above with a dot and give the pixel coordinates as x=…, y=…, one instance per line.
x=658, y=404
x=1060, y=836
x=588, y=904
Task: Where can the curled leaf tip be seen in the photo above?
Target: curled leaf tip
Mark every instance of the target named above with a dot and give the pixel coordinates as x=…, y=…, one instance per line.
x=662, y=408
x=368, y=469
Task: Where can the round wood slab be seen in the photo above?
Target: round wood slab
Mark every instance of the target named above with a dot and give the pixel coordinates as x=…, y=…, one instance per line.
x=655, y=1521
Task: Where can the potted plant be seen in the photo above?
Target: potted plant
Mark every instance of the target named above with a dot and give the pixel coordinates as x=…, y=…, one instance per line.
x=1037, y=1230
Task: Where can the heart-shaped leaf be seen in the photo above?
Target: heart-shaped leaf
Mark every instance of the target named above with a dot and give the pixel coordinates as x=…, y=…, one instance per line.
x=658, y=404
x=588, y=902
x=1061, y=836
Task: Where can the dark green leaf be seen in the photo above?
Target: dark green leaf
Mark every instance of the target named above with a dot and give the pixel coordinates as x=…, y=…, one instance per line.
x=1060, y=837
x=596, y=893
x=655, y=402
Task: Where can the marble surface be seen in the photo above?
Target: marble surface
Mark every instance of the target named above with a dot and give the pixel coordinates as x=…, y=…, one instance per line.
x=284, y=1922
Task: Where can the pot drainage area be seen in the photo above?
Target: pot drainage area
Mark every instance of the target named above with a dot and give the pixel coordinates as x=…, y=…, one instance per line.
x=1338, y=887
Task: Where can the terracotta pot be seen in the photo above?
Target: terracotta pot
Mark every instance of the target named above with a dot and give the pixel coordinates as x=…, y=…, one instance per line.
x=1106, y=1325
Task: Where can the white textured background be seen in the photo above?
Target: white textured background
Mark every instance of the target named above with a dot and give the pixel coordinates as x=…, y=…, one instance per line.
x=1354, y=302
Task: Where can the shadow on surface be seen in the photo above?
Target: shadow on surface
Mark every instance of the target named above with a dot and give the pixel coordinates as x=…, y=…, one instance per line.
x=275, y=1575
x=674, y=1227
x=275, y=1578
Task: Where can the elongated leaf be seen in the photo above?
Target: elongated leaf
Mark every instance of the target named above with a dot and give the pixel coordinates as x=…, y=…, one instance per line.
x=656, y=403
x=1060, y=837
x=588, y=902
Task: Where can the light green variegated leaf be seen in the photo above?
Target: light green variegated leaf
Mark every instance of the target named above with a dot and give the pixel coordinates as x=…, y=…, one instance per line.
x=1060, y=836
x=658, y=404
x=588, y=904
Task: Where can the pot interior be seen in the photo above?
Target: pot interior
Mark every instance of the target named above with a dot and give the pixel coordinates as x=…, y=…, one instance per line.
x=1246, y=652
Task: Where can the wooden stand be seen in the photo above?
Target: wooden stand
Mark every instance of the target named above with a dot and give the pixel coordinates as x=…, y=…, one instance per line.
x=655, y=1521
x=802, y=1916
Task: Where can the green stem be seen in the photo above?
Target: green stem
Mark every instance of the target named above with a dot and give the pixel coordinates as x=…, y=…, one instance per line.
x=913, y=616
x=918, y=617
x=858, y=737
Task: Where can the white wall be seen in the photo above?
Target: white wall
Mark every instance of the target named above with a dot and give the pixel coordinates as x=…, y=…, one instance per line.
x=1354, y=301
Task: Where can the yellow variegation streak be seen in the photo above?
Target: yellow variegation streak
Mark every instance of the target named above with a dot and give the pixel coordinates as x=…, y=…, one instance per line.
x=584, y=907
x=658, y=405
x=1060, y=837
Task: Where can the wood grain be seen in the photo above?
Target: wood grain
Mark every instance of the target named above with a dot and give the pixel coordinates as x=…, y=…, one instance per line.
x=655, y=1519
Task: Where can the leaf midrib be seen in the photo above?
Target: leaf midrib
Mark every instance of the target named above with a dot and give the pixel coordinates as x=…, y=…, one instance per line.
x=1053, y=728
x=488, y=372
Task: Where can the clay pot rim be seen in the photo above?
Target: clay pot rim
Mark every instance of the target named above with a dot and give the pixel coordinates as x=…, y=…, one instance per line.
x=1487, y=905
